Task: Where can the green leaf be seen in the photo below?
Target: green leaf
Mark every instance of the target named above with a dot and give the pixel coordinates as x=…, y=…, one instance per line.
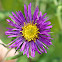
x=60, y=36
x=22, y=59
x=3, y=25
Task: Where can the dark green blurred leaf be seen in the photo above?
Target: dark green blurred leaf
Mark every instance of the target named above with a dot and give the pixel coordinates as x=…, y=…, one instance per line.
x=60, y=36
x=3, y=37
x=3, y=15
x=22, y=59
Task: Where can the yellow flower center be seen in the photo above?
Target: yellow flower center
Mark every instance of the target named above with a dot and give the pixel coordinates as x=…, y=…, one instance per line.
x=30, y=31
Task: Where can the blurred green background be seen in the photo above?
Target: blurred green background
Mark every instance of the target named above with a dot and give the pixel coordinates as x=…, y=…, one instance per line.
x=53, y=8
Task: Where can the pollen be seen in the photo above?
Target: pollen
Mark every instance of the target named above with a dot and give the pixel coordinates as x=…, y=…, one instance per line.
x=30, y=31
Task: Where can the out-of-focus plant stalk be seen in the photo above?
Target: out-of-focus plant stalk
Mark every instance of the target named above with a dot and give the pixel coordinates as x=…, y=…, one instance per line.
x=59, y=7
x=55, y=2
x=59, y=16
x=43, y=5
x=37, y=3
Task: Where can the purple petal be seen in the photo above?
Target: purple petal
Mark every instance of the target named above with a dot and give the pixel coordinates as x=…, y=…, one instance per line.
x=11, y=29
x=9, y=33
x=41, y=20
x=29, y=12
x=44, y=27
x=19, y=21
x=44, y=37
x=35, y=14
x=41, y=50
x=19, y=45
x=14, y=19
x=32, y=49
x=37, y=49
x=27, y=53
x=41, y=45
x=40, y=13
x=44, y=31
x=13, y=36
x=47, y=23
x=44, y=15
x=23, y=46
x=48, y=27
x=45, y=41
x=15, y=43
x=12, y=41
x=12, y=23
x=26, y=13
x=45, y=19
x=21, y=16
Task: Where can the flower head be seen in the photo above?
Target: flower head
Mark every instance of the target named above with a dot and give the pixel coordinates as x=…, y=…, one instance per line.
x=31, y=32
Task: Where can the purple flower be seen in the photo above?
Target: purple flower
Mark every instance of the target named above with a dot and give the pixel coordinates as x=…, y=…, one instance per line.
x=31, y=32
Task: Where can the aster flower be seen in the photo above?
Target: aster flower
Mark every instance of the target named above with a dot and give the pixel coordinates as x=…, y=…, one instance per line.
x=31, y=32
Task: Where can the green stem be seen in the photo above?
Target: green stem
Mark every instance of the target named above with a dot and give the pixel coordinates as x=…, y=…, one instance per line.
x=4, y=45
x=30, y=59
